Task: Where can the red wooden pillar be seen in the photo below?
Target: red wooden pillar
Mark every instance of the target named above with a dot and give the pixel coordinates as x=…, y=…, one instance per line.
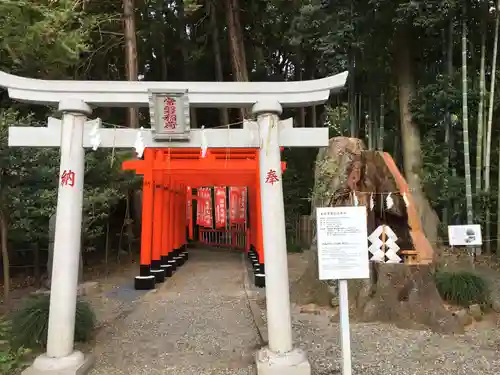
x=145, y=280
x=174, y=225
x=185, y=220
x=252, y=204
x=167, y=264
x=183, y=217
x=156, y=269
x=189, y=212
x=260, y=280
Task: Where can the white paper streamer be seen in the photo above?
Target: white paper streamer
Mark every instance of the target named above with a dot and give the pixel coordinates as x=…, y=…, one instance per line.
x=389, y=201
x=95, y=137
x=355, y=199
x=405, y=198
x=372, y=202
x=204, y=145
x=139, y=143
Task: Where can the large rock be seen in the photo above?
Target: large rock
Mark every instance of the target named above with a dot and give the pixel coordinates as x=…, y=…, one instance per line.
x=402, y=294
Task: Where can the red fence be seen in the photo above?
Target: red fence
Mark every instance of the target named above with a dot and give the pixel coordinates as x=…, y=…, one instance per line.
x=236, y=238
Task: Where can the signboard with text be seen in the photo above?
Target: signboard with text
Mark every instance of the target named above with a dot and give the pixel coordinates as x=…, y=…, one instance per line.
x=465, y=235
x=342, y=243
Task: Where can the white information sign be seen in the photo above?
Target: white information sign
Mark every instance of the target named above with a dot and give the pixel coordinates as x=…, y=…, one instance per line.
x=342, y=243
x=465, y=235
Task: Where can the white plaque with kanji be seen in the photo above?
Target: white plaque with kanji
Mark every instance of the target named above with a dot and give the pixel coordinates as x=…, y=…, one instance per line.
x=342, y=243
x=169, y=114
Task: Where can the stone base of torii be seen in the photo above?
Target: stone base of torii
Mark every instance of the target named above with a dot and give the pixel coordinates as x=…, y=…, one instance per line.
x=73, y=133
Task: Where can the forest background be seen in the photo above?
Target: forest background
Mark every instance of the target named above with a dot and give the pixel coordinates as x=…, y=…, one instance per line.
x=421, y=87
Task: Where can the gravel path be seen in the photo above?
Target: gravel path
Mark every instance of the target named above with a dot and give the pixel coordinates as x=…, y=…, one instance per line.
x=382, y=349
x=198, y=322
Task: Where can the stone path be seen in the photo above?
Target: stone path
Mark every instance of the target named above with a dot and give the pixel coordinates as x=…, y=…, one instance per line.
x=198, y=322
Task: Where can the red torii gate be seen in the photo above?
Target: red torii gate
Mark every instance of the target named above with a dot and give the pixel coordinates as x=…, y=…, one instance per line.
x=168, y=172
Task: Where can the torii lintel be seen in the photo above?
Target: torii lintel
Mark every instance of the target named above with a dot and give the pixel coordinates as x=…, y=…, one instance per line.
x=200, y=94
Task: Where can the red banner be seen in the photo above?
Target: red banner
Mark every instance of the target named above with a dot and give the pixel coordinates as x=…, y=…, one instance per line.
x=199, y=205
x=237, y=204
x=204, y=211
x=220, y=207
x=233, y=204
x=243, y=205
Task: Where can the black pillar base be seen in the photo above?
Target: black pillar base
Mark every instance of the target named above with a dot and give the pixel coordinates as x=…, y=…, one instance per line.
x=262, y=269
x=156, y=271
x=144, y=282
x=260, y=280
x=167, y=270
x=178, y=258
x=255, y=265
x=159, y=275
x=173, y=264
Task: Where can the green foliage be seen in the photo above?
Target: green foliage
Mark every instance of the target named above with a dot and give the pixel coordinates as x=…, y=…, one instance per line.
x=337, y=120
x=43, y=36
x=30, y=323
x=28, y=188
x=462, y=288
x=293, y=247
x=10, y=359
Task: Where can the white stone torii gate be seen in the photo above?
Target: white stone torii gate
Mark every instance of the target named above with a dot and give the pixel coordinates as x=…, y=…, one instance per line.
x=73, y=133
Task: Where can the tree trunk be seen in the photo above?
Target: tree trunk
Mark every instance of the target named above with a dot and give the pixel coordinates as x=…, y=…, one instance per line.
x=187, y=73
x=131, y=65
x=219, y=75
x=403, y=295
x=410, y=134
x=236, y=47
x=5, y=257
x=448, y=123
x=314, y=119
x=301, y=121
x=487, y=161
x=497, y=253
x=369, y=124
x=381, y=129
x=465, y=125
x=480, y=110
x=132, y=72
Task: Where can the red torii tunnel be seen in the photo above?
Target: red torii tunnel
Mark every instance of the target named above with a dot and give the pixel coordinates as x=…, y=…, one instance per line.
x=169, y=174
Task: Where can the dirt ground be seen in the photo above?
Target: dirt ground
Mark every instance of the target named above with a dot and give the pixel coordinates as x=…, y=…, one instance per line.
x=105, y=293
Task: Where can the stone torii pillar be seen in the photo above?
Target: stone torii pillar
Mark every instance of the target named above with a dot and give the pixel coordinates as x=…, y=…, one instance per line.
x=279, y=357
x=66, y=257
x=74, y=133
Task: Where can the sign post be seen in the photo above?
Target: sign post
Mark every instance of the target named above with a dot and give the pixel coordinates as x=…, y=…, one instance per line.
x=343, y=255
